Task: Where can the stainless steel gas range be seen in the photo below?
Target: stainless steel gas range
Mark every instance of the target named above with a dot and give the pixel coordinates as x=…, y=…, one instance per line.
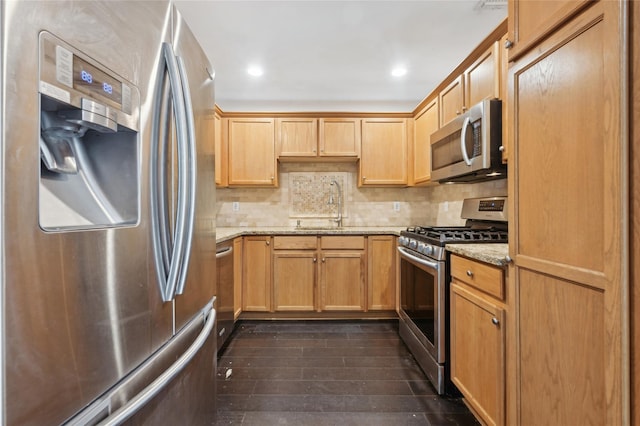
x=424, y=281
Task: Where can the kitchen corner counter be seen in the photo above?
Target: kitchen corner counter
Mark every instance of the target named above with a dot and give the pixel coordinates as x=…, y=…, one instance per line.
x=492, y=253
x=224, y=234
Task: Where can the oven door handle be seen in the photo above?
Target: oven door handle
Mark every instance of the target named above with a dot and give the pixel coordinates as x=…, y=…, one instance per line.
x=404, y=252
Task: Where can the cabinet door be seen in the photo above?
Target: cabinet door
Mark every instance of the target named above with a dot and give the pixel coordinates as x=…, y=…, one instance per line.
x=504, y=71
x=252, y=155
x=339, y=137
x=297, y=137
x=384, y=152
x=426, y=123
x=256, y=274
x=237, y=277
x=342, y=280
x=221, y=159
x=482, y=78
x=381, y=272
x=477, y=333
x=531, y=21
x=568, y=224
x=294, y=280
x=452, y=101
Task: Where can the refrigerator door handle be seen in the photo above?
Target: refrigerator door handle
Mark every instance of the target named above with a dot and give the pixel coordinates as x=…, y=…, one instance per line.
x=169, y=280
x=142, y=398
x=157, y=183
x=192, y=172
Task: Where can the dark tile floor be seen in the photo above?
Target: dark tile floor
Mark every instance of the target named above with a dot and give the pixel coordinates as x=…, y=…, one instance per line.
x=313, y=373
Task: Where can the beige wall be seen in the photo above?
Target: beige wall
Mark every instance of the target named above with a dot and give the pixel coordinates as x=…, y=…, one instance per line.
x=434, y=205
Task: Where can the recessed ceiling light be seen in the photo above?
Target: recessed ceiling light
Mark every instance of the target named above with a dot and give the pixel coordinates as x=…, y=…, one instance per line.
x=255, y=71
x=399, y=71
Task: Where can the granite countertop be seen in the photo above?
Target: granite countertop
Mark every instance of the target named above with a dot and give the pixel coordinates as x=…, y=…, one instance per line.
x=495, y=254
x=224, y=234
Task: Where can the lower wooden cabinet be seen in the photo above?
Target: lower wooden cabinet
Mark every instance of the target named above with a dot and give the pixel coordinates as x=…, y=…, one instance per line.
x=478, y=338
x=256, y=274
x=307, y=273
x=381, y=273
x=295, y=261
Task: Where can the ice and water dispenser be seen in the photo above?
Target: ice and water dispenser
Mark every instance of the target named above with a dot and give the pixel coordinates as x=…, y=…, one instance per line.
x=89, y=142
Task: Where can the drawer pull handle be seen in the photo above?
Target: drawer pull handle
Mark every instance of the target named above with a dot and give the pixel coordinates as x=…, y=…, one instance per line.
x=469, y=273
x=495, y=320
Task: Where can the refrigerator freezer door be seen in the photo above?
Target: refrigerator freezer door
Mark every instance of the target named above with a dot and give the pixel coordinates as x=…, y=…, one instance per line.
x=79, y=310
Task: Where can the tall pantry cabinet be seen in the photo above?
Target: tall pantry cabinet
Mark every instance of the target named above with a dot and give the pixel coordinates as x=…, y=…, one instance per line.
x=568, y=193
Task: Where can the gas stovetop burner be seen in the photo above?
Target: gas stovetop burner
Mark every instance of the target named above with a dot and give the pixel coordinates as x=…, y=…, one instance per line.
x=462, y=234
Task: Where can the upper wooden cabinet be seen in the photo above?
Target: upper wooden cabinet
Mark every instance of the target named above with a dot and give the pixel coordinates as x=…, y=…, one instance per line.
x=531, y=21
x=383, y=159
x=482, y=78
x=479, y=81
x=452, y=100
x=339, y=137
x=305, y=139
x=297, y=137
x=252, y=152
x=220, y=152
x=426, y=122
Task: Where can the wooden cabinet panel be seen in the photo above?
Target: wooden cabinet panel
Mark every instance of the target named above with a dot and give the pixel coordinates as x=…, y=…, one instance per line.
x=295, y=242
x=221, y=157
x=482, y=276
x=504, y=71
x=339, y=137
x=562, y=352
x=381, y=272
x=252, y=156
x=238, y=257
x=294, y=280
x=478, y=340
x=342, y=242
x=531, y=21
x=568, y=272
x=297, y=137
x=342, y=280
x=256, y=274
x=482, y=78
x=451, y=100
x=426, y=122
x=383, y=159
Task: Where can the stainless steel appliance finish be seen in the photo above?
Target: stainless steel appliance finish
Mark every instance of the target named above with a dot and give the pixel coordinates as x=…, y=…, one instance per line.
x=424, y=282
x=224, y=291
x=86, y=335
x=468, y=149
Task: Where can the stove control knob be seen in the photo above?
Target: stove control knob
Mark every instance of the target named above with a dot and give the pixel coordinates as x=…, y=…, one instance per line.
x=428, y=250
x=413, y=244
x=422, y=248
x=404, y=241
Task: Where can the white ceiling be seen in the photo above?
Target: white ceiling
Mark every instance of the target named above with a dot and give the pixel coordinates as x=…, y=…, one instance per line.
x=334, y=55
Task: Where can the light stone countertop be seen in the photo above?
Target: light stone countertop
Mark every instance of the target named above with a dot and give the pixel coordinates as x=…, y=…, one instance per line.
x=224, y=234
x=492, y=253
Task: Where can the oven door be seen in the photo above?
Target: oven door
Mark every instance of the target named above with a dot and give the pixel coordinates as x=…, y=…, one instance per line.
x=422, y=300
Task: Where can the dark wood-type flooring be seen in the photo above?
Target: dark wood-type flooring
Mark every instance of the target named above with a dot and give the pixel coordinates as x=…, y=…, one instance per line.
x=312, y=373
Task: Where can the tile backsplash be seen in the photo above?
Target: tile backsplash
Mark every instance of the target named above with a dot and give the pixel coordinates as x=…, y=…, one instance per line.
x=305, y=192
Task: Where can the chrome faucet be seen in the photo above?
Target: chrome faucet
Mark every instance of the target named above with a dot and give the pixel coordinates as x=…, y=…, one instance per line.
x=337, y=220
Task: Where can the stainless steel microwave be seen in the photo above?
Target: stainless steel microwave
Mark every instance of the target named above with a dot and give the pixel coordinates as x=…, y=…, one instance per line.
x=468, y=149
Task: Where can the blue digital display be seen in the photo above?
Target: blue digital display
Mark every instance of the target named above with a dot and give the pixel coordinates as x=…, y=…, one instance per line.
x=92, y=79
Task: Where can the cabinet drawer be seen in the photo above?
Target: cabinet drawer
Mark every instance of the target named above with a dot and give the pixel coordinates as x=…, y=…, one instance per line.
x=342, y=242
x=482, y=276
x=295, y=242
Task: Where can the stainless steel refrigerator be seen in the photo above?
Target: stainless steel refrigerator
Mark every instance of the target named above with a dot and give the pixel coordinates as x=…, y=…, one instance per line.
x=107, y=224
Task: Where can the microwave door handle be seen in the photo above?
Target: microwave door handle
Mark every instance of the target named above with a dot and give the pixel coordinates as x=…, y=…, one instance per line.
x=463, y=137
